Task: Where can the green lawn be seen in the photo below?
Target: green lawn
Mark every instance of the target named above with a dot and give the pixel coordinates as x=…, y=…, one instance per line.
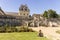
x=21, y=36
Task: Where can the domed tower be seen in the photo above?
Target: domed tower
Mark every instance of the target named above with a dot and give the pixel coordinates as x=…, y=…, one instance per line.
x=24, y=10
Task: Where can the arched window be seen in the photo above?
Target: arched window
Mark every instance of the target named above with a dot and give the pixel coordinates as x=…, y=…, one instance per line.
x=21, y=9
x=25, y=9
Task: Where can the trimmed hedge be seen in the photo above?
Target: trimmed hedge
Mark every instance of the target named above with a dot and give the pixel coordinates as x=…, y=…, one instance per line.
x=15, y=29
x=24, y=29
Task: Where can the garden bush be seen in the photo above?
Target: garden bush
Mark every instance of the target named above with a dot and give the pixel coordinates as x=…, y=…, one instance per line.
x=58, y=31
x=9, y=29
x=2, y=29
x=24, y=29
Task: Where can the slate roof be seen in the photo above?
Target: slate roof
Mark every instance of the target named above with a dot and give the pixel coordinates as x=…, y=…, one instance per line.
x=12, y=13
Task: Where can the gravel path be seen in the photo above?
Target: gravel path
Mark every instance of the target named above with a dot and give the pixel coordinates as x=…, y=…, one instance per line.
x=49, y=32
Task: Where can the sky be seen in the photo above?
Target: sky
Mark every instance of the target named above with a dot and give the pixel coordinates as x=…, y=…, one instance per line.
x=35, y=6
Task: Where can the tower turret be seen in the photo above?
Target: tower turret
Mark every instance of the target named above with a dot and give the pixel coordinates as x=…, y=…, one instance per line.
x=24, y=10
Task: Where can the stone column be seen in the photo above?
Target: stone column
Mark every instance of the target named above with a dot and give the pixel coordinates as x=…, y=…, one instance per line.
x=27, y=24
x=38, y=24
x=33, y=23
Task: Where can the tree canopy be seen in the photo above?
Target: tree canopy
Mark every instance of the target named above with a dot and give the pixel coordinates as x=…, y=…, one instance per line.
x=50, y=14
x=45, y=14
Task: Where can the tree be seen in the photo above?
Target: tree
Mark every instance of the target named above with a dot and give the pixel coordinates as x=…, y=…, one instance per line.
x=45, y=14
x=50, y=14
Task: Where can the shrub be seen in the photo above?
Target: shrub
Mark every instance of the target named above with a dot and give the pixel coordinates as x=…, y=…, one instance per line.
x=8, y=29
x=24, y=29
x=31, y=30
x=2, y=29
x=58, y=31
x=15, y=29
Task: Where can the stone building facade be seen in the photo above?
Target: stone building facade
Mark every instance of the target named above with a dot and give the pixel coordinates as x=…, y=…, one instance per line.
x=23, y=18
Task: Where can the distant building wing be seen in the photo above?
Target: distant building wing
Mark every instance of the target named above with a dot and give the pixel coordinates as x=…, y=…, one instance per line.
x=2, y=12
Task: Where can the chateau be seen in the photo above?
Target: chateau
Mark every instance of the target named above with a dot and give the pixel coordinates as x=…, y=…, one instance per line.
x=23, y=18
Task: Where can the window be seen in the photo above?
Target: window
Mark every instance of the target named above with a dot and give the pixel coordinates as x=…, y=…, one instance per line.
x=27, y=14
x=22, y=9
x=25, y=9
x=24, y=14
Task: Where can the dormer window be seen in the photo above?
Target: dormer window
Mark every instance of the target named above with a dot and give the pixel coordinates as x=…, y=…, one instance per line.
x=25, y=9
